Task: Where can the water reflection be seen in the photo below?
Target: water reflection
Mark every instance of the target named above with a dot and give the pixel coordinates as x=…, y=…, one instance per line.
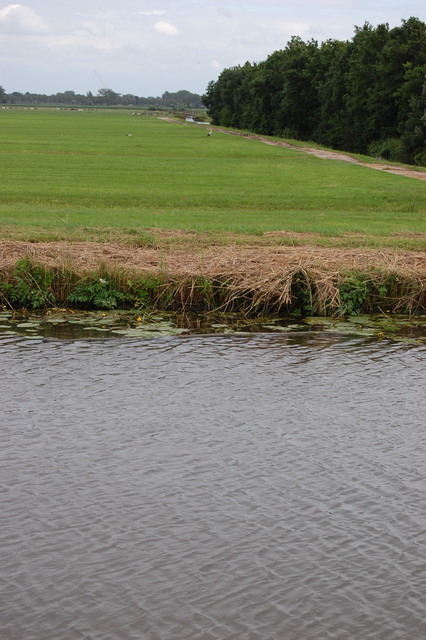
x=195, y=487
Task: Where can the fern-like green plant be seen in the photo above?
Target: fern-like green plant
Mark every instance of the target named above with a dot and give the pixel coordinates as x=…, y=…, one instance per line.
x=99, y=293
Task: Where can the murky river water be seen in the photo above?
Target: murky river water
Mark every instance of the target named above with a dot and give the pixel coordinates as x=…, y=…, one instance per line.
x=255, y=487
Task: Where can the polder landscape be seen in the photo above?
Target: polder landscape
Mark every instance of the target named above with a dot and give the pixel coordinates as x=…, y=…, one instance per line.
x=116, y=209
x=212, y=341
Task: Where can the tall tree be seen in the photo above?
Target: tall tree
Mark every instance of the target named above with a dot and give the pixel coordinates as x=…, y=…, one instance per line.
x=108, y=97
x=332, y=127
x=364, y=103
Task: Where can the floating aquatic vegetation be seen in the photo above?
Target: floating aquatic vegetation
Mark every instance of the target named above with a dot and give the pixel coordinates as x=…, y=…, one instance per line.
x=28, y=325
x=275, y=327
x=126, y=324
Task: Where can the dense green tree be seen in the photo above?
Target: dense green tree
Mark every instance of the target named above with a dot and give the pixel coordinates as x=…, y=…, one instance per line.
x=221, y=100
x=332, y=127
x=108, y=97
x=267, y=89
x=181, y=99
x=299, y=107
x=413, y=131
x=364, y=103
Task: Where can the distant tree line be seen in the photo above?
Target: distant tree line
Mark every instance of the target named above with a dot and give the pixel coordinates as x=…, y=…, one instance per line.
x=367, y=95
x=105, y=97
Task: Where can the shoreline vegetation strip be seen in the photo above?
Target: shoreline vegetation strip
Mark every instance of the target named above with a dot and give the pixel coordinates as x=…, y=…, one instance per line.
x=297, y=288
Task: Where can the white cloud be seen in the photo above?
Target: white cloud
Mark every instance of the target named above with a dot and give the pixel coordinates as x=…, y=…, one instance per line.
x=17, y=19
x=290, y=28
x=119, y=15
x=214, y=64
x=165, y=28
x=90, y=28
x=81, y=43
x=156, y=12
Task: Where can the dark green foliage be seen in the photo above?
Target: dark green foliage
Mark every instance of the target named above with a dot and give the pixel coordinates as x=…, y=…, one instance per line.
x=107, y=292
x=413, y=129
x=351, y=95
x=145, y=291
x=353, y=293
x=98, y=294
x=389, y=149
x=29, y=286
x=304, y=301
x=362, y=293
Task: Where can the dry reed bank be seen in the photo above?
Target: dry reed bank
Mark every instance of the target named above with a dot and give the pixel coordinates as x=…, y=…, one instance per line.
x=309, y=279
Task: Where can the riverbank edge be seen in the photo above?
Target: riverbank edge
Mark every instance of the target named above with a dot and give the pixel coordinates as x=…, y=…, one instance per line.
x=305, y=287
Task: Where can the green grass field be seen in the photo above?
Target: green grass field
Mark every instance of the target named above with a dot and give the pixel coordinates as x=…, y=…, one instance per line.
x=67, y=171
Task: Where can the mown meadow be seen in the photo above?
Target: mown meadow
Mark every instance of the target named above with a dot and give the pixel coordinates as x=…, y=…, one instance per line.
x=72, y=173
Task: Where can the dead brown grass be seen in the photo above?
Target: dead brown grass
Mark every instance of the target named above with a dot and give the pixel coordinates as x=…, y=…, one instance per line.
x=213, y=261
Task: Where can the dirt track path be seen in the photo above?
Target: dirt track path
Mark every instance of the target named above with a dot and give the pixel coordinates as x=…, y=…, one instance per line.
x=335, y=155
x=320, y=153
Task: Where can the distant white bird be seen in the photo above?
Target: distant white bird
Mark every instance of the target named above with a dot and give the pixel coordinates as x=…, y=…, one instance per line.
x=209, y=133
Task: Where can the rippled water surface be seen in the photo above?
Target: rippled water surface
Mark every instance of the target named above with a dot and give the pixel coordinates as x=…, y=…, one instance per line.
x=255, y=487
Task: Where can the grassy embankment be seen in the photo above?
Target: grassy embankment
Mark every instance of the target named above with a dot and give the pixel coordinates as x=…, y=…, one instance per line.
x=79, y=176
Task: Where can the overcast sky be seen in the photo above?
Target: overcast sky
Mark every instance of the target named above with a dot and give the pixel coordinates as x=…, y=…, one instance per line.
x=147, y=47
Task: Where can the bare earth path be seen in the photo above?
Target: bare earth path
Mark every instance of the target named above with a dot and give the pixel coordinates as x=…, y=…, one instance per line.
x=334, y=155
